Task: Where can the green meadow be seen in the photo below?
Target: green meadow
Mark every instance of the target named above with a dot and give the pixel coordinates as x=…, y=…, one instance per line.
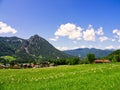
x=68, y=77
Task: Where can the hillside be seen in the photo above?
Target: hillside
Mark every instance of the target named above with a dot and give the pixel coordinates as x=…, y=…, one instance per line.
x=115, y=55
x=84, y=51
x=29, y=49
x=5, y=49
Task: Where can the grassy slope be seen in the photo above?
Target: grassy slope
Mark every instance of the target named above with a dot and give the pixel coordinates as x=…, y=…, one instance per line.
x=78, y=77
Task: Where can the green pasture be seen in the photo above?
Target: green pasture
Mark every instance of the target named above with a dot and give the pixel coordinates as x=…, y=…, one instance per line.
x=76, y=77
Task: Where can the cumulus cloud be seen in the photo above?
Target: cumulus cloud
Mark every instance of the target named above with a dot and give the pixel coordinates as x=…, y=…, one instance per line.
x=89, y=34
x=100, y=31
x=117, y=32
x=103, y=38
x=69, y=30
x=75, y=33
x=4, y=28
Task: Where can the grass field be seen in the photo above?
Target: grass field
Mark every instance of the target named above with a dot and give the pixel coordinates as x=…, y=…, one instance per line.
x=77, y=77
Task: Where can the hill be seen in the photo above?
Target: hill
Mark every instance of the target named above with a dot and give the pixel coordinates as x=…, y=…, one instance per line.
x=29, y=49
x=115, y=55
x=84, y=51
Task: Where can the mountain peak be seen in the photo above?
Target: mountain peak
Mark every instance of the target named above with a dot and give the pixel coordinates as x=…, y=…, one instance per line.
x=35, y=38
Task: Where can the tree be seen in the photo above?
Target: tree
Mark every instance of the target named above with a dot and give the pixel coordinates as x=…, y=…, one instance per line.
x=86, y=61
x=91, y=57
x=8, y=59
x=116, y=58
x=74, y=61
x=39, y=59
x=2, y=60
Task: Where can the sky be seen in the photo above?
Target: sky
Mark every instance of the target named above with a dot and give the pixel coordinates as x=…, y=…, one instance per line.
x=66, y=24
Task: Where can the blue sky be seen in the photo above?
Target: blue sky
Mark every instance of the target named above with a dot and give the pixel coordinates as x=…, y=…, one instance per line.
x=66, y=24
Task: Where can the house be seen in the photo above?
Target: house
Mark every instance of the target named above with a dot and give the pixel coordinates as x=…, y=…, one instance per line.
x=2, y=66
x=52, y=65
x=36, y=66
x=16, y=66
x=32, y=65
x=26, y=65
x=7, y=66
x=45, y=64
x=102, y=61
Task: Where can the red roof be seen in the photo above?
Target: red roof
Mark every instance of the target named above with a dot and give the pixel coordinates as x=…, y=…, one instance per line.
x=102, y=61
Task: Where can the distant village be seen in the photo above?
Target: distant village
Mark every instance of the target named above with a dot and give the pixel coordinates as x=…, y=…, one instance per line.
x=26, y=65
x=41, y=65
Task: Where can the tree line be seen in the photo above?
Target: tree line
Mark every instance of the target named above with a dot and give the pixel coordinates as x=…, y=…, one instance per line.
x=59, y=61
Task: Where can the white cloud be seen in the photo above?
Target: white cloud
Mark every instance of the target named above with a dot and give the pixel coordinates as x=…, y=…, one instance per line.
x=82, y=46
x=72, y=48
x=54, y=39
x=103, y=38
x=113, y=47
x=76, y=33
x=113, y=40
x=110, y=47
x=68, y=48
x=90, y=46
x=70, y=30
x=118, y=47
x=89, y=34
x=75, y=42
x=100, y=31
x=75, y=47
x=62, y=48
x=117, y=32
x=4, y=28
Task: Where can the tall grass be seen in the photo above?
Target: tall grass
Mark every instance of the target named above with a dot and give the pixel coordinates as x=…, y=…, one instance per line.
x=77, y=77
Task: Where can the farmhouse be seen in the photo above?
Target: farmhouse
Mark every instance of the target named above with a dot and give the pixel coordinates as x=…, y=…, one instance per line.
x=52, y=65
x=26, y=65
x=45, y=64
x=16, y=66
x=2, y=66
x=36, y=66
x=102, y=61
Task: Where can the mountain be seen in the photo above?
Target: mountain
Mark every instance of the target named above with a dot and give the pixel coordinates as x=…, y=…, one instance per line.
x=29, y=49
x=84, y=51
x=5, y=49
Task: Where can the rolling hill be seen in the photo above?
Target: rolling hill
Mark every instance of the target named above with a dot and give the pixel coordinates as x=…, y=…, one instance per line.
x=114, y=55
